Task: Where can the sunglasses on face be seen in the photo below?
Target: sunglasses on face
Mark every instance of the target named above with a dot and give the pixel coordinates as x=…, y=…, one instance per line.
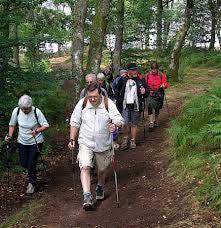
x=89, y=82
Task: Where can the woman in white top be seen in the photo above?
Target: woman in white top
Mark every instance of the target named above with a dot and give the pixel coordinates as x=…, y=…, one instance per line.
x=31, y=123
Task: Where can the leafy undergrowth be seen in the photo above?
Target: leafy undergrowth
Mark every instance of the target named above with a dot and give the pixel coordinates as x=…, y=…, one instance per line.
x=196, y=145
x=26, y=214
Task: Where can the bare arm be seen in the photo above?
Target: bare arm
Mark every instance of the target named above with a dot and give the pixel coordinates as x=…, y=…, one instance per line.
x=73, y=133
x=11, y=131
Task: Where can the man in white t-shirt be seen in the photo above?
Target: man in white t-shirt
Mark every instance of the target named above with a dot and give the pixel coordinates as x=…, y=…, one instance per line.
x=31, y=123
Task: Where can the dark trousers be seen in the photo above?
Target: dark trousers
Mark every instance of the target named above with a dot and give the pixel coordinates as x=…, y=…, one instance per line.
x=28, y=155
x=150, y=111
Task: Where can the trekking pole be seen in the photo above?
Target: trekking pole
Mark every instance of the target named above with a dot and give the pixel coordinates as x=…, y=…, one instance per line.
x=73, y=167
x=115, y=173
x=166, y=104
x=7, y=162
x=42, y=161
x=144, y=129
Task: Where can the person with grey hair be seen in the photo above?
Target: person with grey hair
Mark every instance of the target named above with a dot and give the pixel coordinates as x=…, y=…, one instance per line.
x=31, y=123
x=91, y=78
x=105, y=85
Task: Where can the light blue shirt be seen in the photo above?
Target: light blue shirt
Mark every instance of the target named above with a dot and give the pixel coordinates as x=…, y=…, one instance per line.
x=27, y=122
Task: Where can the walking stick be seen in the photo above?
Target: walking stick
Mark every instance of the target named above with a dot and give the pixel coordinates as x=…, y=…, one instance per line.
x=144, y=129
x=7, y=162
x=166, y=104
x=115, y=173
x=42, y=161
x=73, y=168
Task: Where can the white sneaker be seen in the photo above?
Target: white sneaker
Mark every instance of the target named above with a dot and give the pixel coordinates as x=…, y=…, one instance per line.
x=30, y=189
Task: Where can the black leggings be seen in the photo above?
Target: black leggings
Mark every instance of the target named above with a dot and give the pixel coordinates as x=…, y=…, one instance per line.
x=28, y=155
x=150, y=111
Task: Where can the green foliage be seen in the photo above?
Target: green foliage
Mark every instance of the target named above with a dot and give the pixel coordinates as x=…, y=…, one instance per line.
x=196, y=142
x=201, y=57
x=46, y=91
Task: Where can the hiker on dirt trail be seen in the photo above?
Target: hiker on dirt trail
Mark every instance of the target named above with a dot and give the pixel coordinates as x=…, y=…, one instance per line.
x=122, y=73
x=31, y=123
x=130, y=95
x=157, y=83
x=95, y=117
x=103, y=82
x=91, y=78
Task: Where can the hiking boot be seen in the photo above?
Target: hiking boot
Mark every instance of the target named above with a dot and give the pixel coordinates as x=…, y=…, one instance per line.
x=132, y=144
x=124, y=144
x=99, y=193
x=151, y=126
x=156, y=124
x=87, y=204
x=30, y=189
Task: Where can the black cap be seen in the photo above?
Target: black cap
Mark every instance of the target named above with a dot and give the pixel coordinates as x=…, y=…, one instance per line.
x=132, y=66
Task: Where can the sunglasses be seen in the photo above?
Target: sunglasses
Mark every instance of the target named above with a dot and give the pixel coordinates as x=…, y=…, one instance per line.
x=89, y=82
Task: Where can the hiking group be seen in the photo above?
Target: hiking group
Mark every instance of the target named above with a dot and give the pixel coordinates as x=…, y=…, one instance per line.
x=107, y=106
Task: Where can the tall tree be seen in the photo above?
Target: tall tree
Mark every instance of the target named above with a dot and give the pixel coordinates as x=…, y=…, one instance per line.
x=16, y=46
x=79, y=15
x=4, y=35
x=213, y=10
x=119, y=37
x=159, y=23
x=99, y=26
x=181, y=35
x=166, y=21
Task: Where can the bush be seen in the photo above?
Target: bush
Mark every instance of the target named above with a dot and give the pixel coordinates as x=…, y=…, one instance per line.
x=196, y=142
x=47, y=94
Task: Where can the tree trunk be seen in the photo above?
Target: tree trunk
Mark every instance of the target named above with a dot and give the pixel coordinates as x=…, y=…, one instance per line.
x=119, y=37
x=175, y=56
x=79, y=16
x=219, y=38
x=59, y=49
x=4, y=27
x=99, y=26
x=212, y=8
x=16, y=46
x=147, y=36
x=159, y=23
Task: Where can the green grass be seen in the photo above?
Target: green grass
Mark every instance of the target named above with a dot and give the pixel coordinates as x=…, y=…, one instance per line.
x=196, y=145
x=27, y=214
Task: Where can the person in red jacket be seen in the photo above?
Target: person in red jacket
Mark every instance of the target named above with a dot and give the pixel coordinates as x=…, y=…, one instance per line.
x=157, y=83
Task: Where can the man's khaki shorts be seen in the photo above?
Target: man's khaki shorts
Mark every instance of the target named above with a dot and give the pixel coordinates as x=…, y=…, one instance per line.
x=102, y=159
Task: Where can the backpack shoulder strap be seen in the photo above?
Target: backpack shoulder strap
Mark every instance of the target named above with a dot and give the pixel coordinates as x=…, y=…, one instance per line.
x=106, y=103
x=36, y=116
x=18, y=111
x=84, y=102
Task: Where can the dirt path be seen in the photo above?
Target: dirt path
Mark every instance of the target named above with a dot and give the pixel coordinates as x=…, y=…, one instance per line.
x=149, y=197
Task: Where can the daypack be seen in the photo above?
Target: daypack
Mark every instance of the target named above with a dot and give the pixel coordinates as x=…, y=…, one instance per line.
x=35, y=113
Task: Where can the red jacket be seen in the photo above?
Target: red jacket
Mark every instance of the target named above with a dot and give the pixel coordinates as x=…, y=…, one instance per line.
x=156, y=80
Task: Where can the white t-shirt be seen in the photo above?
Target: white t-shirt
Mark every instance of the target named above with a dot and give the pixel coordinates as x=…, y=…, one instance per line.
x=27, y=122
x=131, y=91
